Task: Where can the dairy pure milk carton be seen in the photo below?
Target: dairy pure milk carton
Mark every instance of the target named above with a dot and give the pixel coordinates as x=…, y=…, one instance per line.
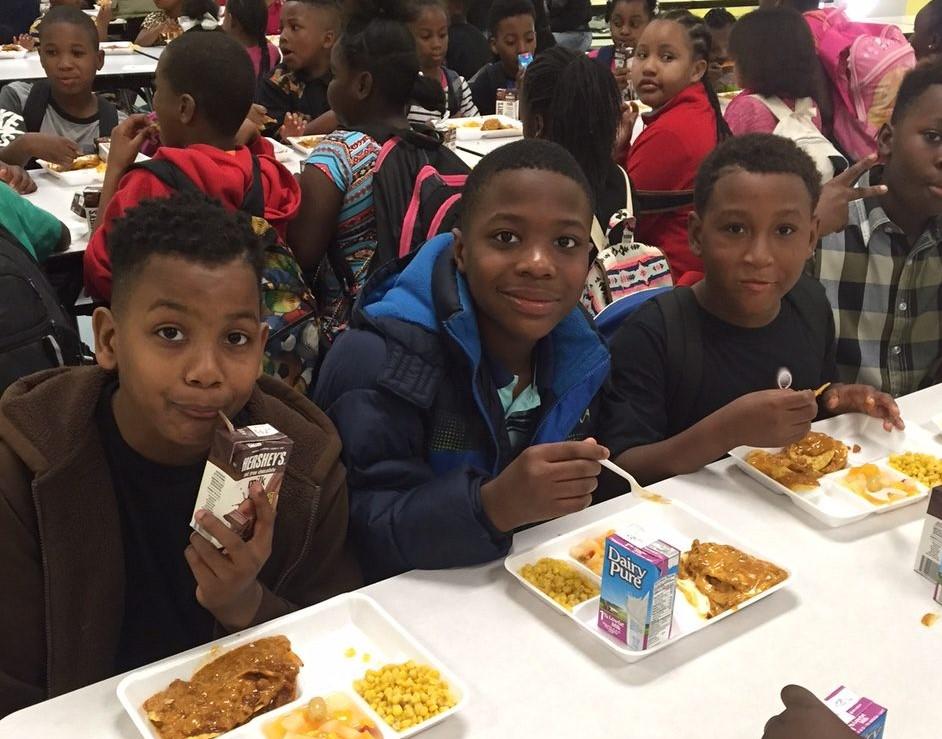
x=862, y=715
x=929, y=554
x=240, y=461
x=639, y=581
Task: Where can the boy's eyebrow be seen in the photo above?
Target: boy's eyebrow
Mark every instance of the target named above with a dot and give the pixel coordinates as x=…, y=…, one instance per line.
x=787, y=211
x=514, y=218
x=181, y=308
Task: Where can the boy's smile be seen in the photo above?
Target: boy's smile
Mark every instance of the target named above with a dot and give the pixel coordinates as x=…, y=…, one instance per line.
x=525, y=254
x=754, y=238
x=187, y=343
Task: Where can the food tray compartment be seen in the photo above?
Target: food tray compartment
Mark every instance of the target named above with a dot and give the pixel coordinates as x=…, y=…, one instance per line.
x=834, y=483
x=831, y=503
x=117, y=48
x=305, y=144
x=18, y=53
x=282, y=152
x=676, y=524
x=322, y=636
x=469, y=129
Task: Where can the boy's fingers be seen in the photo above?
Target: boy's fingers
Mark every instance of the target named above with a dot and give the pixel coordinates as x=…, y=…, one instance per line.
x=229, y=539
x=795, y=695
x=264, y=516
x=850, y=175
x=201, y=571
x=873, y=191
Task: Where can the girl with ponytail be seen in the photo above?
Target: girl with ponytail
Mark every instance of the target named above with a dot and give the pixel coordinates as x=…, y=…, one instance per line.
x=375, y=79
x=246, y=21
x=685, y=125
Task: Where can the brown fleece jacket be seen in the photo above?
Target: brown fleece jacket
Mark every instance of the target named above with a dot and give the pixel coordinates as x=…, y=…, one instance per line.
x=61, y=554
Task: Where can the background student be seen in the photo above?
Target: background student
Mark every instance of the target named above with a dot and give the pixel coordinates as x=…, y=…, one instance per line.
x=246, y=20
x=512, y=31
x=626, y=20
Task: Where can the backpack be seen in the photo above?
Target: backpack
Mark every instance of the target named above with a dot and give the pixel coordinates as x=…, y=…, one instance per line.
x=866, y=63
x=35, y=331
x=622, y=268
x=684, y=343
x=798, y=125
x=39, y=98
x=293, y=349
x=417, y=184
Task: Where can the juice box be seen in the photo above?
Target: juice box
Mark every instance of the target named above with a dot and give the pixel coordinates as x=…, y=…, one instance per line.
x=929, y=554
x=938, y=588
x=862, y=715
x=241, y=460
x=639, y=581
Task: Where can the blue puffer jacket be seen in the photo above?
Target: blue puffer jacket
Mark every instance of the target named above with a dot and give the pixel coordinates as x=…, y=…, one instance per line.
x=422, y=425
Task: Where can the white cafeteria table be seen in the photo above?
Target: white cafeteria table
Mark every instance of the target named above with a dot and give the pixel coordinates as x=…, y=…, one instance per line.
x=116, y=65
x=850, y=616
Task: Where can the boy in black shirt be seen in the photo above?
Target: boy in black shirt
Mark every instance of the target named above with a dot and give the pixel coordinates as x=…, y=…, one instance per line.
x=512, y=32
x=694, y=371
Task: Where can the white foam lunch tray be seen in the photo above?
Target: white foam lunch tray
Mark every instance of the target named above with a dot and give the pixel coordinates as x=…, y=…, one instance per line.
x=669, y=520
x=322, y=636
x=831, y=502
x=465, y=130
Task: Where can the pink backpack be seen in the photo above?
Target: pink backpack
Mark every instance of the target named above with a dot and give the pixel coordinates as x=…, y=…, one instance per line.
x=866, y=63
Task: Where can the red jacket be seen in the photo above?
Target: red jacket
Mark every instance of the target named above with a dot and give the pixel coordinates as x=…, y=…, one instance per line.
x=665, y=158
x=224, y=175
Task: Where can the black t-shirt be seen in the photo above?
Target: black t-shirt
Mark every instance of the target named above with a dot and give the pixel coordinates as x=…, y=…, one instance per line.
x=736, y=361
x=485, y=84
x=286, y=92
x=468, y=50
x=161, y=614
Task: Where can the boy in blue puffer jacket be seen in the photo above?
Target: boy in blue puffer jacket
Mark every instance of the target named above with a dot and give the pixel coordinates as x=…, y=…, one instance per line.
x=465, y=390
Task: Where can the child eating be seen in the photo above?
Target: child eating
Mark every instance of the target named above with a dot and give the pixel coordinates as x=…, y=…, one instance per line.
x=694, y=371
x=470, y=372
x=59, y=118
x=627, y=19
x=512, y=33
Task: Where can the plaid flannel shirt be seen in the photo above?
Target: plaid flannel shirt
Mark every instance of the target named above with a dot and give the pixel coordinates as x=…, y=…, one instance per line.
x=886, y=298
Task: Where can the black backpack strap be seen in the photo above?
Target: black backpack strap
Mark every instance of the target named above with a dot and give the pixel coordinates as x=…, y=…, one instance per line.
x=656, y=201
x=684, y=350
x=34, y=110
x=168, y=173
x=454, y=100
x=107, y=116
x=254, y=201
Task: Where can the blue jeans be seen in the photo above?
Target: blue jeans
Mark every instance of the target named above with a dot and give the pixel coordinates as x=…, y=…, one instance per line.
x=575, y=40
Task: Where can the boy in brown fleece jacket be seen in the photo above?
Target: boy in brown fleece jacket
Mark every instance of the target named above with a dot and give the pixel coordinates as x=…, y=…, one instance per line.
x=99, y=469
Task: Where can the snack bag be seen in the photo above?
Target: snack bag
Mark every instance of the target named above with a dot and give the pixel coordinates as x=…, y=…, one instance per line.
x=241, y=461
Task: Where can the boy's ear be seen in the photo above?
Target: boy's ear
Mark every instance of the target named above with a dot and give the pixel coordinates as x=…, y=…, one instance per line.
x=106, y=340
x=330, y=37
x=885, y=141
x=699, y=69
x=101, y=60
x=459, y=250
x=187, y=109
x=695, y=233
x=493, y=43
x=262, y=341
x=364, y=85
x=815, y=231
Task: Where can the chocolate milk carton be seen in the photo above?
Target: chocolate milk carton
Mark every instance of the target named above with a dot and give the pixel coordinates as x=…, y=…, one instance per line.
x=241, y=461
x=639, y=581
x=929, y=554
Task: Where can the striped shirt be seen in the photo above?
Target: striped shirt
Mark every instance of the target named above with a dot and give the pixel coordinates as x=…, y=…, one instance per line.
x=886, y=297
x=347, y=158
x=458, y=100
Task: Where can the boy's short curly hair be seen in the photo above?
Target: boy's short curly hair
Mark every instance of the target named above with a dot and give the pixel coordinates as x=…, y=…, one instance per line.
x=502, y=9
x=758, y=153
x=537, y=154
x=191, y=226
